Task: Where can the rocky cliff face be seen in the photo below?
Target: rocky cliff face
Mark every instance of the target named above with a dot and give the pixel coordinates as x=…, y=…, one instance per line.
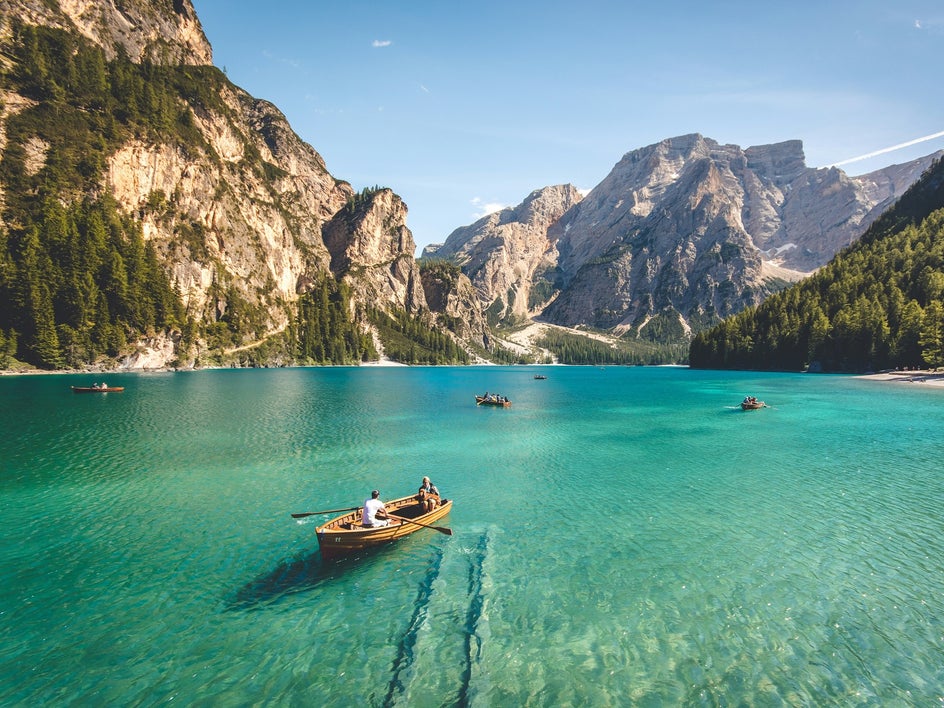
x=218, y=216
x=248, y=209
x=372, y=249
x=679, y=234
x=160, y=32
x=696, y=230
x=508, y=253
x=458, y=305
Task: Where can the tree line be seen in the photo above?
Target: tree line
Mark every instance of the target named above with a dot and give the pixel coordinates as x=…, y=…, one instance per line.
x=409, y=340
x=326, y=331
x=576, y=349
x=77, y=280
x=879, y=304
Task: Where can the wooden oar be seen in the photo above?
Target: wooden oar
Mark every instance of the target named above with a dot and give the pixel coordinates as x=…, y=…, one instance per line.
x=303, y=514
x=441, y=529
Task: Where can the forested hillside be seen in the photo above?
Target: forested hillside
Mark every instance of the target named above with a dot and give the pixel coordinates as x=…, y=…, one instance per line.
x=81, y=285
x=878, y=304
x=77, y=279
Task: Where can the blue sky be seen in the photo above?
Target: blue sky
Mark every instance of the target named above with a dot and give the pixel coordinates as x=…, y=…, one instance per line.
x=463, y=107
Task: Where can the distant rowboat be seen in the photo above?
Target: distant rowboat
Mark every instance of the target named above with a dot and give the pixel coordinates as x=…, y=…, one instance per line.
x=752, y=404
x=492, y=400
x=97, y=389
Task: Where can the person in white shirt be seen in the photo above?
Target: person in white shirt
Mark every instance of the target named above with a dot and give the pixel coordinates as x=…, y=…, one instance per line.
x=375, y=513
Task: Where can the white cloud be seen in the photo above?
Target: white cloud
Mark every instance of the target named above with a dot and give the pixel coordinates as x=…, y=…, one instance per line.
x=483, y=208
x=381, y=43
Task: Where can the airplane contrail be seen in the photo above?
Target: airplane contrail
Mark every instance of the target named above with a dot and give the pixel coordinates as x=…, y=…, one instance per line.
x=889, y=149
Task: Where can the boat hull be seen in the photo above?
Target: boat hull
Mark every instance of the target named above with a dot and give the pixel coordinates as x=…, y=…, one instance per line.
x=92, y=389
x=344, y=536
x=752, y=406
x=483, y=401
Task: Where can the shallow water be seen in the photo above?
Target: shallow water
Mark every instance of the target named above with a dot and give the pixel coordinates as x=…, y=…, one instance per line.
x=622, y=536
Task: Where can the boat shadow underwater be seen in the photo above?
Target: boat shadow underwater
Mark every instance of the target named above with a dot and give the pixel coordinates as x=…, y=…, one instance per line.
x=305, y=572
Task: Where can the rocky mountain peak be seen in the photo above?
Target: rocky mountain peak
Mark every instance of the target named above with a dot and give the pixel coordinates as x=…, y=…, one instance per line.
x=372, y=249
x=679, y=234
x=780, y=163
x=506, y=254
x=159, y=31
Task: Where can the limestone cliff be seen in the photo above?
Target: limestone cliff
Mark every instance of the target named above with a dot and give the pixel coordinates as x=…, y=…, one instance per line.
x=372, y=249
x=451, y=294
x=695, y=230
x=507, y=255
x=160, y=32
x=242, y=209
x=246, y=208
x=678, y=235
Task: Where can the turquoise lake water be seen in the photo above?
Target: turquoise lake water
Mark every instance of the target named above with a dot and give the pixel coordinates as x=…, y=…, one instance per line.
x=622, y=536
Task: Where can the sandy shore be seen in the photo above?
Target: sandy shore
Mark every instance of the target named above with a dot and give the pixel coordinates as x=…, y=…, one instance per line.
x=931, y=378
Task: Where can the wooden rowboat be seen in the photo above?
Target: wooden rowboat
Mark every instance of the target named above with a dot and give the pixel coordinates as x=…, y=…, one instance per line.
x=752, y=405
x=344, y=535
x=97, y=389
x=492, y=401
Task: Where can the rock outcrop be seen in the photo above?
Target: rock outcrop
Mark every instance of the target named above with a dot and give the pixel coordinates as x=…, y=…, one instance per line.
x=372, y=249
x=246, y=210
x=678, y=235
x=451, y=294
x=162, y=33
x=507, y=255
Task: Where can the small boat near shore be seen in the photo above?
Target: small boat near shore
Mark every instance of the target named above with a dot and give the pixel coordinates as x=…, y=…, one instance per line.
x=97, y=389
x=492, y=400
x=344, y=535
x=540, y=377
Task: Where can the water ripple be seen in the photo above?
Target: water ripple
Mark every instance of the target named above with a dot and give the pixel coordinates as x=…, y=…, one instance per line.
x=621, y=537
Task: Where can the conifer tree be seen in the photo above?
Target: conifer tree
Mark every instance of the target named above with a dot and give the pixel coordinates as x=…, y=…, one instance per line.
x=931, y=338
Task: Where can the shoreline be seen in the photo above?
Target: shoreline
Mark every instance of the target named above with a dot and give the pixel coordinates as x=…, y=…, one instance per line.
x=928, y=377
x=918, y=376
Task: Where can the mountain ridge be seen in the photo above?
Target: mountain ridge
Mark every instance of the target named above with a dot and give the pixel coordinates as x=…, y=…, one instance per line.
x=156, y=214
x=687, y=231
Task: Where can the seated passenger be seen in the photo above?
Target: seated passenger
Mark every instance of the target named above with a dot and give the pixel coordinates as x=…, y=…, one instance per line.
x=428, y=496
x=374, y=513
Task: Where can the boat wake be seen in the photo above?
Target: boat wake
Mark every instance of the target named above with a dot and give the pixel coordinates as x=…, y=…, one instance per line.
x=450, y=624
x=407, y=650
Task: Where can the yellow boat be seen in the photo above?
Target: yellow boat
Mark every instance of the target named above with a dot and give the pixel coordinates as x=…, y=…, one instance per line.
x=344, y=535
